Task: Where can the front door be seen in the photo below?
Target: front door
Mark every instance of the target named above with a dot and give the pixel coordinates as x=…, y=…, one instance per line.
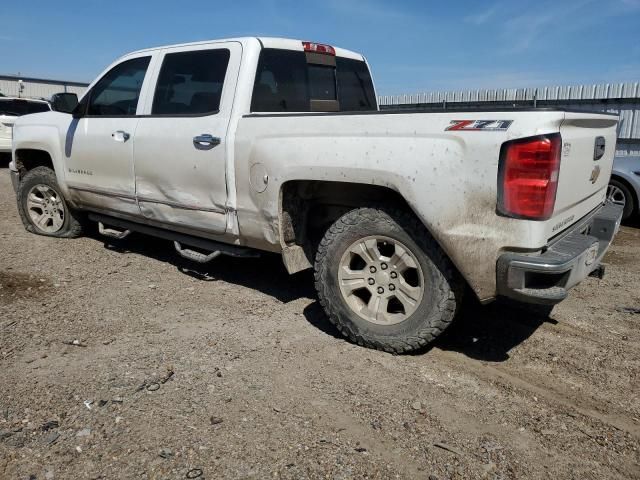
x=180, y=146
x=98, y=148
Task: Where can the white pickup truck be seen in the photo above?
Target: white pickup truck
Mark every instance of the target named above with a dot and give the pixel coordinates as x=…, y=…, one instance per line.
x=239, y=145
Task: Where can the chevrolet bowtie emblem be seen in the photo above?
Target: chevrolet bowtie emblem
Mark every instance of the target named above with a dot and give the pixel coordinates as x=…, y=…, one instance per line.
x=595, y=174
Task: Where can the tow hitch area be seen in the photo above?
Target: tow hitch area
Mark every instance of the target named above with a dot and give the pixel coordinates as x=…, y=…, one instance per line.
x=547, y=277
x=598, y=272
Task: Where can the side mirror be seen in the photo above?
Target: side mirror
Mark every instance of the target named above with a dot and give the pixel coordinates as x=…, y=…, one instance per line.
x=78, y=111
x=64, y=102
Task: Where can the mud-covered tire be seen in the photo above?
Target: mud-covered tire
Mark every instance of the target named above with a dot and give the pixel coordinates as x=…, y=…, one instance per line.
x=71, y=226
x=441, y=294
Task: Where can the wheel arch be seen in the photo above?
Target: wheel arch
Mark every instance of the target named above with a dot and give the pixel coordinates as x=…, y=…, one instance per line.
x=27, y=159
x=29, y=155
x=307, y=208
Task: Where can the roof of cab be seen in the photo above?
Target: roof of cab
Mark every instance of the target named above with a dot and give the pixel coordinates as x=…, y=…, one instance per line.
x=266, y=42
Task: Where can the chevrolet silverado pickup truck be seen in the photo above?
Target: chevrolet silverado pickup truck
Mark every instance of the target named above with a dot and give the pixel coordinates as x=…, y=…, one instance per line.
x=263, y=144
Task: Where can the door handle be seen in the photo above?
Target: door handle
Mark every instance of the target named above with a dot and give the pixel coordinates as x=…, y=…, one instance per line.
x=120, y=136
x=205, y=141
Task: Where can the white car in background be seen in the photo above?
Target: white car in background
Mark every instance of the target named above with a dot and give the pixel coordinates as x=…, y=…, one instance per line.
x=10, y=109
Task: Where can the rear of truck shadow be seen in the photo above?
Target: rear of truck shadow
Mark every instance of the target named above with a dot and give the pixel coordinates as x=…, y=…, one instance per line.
x=485, y=333
x=490, y=332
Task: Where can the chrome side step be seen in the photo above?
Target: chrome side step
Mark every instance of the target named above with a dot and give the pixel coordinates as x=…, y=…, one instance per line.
x=181, y=241
x=112, y=232
x=194, y=255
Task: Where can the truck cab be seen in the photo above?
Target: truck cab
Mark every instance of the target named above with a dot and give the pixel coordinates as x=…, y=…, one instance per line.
x=156, y=98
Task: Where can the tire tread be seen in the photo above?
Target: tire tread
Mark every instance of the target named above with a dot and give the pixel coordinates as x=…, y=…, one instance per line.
x=448, y=285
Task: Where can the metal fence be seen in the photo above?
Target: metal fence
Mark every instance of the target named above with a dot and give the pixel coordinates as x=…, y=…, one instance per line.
x=558, y=93
x=14, y=86
x=620, y=98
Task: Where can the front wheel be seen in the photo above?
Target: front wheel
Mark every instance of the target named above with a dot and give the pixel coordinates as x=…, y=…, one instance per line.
x=384, y=282
x=43, y=210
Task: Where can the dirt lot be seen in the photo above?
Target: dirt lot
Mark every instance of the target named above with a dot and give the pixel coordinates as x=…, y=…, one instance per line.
x=263, y=386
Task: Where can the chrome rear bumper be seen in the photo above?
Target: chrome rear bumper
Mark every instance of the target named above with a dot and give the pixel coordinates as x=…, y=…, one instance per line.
x=545, y=278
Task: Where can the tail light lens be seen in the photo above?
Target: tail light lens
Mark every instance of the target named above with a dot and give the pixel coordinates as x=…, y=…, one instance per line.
x=528, y=177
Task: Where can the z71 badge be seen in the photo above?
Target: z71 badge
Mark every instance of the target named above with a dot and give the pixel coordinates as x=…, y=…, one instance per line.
x=480, y=125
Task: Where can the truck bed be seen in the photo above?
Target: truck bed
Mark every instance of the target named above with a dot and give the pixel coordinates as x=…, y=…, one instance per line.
x=448, y=178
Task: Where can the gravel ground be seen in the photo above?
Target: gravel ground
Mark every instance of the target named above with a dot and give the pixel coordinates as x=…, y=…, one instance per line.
x=121, y=360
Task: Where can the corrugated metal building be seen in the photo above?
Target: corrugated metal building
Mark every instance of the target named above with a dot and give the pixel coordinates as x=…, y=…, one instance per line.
x=620, y=98
x=11, y=86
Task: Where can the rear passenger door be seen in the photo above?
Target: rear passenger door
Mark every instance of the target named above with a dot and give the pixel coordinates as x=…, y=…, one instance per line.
x=181, y=140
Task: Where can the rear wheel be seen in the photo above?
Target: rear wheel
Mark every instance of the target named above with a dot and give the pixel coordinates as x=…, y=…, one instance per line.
x=384, y=282
x=619, y=193
x=43, y=210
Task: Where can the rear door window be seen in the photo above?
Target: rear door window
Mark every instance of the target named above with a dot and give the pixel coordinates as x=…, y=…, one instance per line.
x=17, y=107
x=9, y=107
x=37, y=107
x=190, y=83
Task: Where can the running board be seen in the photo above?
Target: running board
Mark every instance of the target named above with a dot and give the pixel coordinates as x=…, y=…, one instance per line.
x=112, y=232
x=180, y=240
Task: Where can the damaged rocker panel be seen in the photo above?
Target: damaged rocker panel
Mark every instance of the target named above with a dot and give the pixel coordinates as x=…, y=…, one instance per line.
x=111, y=193
x=99, y=191
x=181, y=206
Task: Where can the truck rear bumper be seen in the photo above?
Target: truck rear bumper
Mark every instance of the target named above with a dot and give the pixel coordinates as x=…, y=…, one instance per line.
x=545, y=278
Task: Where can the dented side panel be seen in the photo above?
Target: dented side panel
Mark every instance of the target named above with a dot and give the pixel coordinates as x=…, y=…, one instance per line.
x=176, y=182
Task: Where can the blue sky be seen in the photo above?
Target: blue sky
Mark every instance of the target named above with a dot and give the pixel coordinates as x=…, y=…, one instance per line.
x=412, y=46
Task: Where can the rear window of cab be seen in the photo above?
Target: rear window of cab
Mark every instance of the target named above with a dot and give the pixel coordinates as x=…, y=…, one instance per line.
x=293, y=81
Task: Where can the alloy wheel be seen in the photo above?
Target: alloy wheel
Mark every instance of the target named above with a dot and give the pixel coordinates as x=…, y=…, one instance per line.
x=381, y=280
x=45, y=208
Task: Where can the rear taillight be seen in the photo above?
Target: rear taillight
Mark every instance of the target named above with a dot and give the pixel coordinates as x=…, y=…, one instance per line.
x=528, y=177
x=318, y=48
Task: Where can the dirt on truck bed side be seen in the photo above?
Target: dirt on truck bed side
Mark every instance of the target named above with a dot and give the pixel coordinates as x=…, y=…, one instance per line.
x=121, y=360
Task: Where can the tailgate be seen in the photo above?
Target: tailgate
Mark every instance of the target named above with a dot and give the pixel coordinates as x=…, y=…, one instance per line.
x=588, y=149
